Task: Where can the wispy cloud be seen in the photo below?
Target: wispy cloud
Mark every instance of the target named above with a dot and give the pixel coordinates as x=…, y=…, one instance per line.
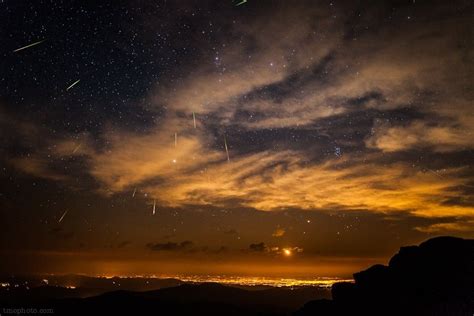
x=279, y=232
x=171, y=246
x=452, y=228
x=421, y=135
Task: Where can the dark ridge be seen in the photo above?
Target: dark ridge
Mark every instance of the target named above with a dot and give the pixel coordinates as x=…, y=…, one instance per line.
x=434, y=278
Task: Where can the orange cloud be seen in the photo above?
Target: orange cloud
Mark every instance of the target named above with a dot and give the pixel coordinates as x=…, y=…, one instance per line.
x=420, y=134
x=279, y=232
x=37, y=166
x=131, y=160
x=454, y=227
x=273, y=180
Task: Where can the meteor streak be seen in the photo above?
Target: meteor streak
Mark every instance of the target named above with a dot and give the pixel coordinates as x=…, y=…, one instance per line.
x=75, y=82
x=28, y=46
x=194, y=120
x=175, y=139
x=62, y=217
x=75, y=149
x=241, y=2
x=154, y=206
x=226, y=149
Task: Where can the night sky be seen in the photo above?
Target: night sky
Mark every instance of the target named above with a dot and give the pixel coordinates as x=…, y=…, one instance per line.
x=273, y=138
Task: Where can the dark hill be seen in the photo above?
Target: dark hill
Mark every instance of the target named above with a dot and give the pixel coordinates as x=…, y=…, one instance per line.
x=434, y=278
x=186, y=299
x=193, y=299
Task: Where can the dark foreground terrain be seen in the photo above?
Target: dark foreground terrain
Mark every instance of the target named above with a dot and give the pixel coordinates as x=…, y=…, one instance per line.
x=185, y=299
x=434, y=278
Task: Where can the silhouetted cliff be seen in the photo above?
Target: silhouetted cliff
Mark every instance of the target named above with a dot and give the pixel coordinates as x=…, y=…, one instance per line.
x=434, y=278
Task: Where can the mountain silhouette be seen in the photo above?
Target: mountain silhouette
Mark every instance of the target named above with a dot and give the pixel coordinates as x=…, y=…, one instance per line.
x=194, y=299
x=434, y=278
x=185, y=299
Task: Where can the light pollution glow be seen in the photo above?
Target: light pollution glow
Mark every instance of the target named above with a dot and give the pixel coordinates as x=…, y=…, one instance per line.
x=246, y=280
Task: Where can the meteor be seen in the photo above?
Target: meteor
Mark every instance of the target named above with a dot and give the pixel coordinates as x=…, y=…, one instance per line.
x=28, y=46
x=241, y=2
x=75, y=82
x=175, y=139
x=154, y=206
x=75, y=149
x=134, y=191
x=226, y=149
x=62, y=217
x=194, y=120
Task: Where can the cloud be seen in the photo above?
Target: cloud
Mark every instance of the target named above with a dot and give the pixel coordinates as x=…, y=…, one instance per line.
x=123, y=244
x=39, y=151
x=275, y=250
x=60, y=233
x=270, y=54
x=37, y=166
x=131, y=160
x=220, y=250
x=197, y=172
x=258, y=247
x=171, y=246
x=273, y=181
x=420, y=134
x=279, y=232
x=452, y=227
x=187, y=247
x=194, y=172
x=278, y=76
x=230, y=232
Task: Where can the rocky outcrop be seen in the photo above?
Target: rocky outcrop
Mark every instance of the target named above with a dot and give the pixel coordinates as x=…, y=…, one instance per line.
x=434, y=278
